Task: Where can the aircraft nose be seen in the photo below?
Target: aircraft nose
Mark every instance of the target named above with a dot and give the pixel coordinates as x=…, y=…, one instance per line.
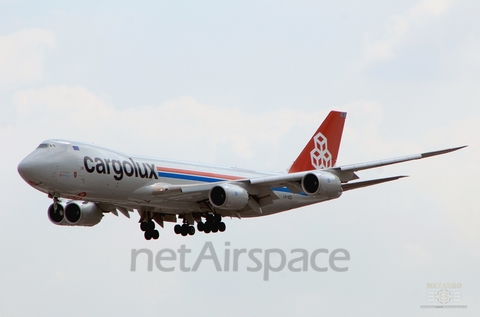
x=34, y=168
x=26, y=168
x=40, y=166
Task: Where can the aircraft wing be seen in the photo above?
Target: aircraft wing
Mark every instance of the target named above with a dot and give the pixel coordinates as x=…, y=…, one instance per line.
x=289, y=180
x=346, y=172
x=395, y=160
x=185, y=197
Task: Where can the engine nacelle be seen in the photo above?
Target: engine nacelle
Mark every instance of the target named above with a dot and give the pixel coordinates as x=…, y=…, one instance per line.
x=57, y=215
x=82, y=214
x=75, y=213
x=227, y=196
x=323, y=184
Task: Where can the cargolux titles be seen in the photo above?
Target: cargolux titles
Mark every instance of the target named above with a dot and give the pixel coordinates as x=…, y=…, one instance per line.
x=119, y=168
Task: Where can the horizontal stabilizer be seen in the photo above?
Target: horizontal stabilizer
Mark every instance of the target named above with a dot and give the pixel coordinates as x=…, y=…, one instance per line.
x=356, y=185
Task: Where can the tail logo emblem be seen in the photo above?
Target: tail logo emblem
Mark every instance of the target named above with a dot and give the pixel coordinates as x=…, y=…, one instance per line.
x=320, y=155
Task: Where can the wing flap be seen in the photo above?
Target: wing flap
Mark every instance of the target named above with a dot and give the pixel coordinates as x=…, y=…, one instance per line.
x=124, y=211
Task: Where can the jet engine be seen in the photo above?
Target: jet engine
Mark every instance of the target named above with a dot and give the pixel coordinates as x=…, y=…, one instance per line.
x=322, y=184
x=57, y=215
x=75, y=213
x=228, y=196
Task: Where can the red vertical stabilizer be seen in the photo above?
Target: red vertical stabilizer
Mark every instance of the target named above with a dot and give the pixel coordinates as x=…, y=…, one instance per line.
x=322, y=149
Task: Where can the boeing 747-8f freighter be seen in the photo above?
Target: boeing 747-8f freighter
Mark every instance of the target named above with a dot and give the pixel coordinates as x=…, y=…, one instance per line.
x=87, y=181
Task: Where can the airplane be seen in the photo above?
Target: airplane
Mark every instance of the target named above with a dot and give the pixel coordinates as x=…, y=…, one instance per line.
x=87, y=181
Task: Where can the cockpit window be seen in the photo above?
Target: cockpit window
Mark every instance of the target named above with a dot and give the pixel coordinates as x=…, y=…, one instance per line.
x=46, y=145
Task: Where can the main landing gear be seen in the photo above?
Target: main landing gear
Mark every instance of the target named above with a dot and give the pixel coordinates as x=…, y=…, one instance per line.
x=184, y=229
x=213, y=224
x=149, y=228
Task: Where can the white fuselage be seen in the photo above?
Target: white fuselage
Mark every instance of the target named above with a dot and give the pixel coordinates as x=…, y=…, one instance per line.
x=85, y=172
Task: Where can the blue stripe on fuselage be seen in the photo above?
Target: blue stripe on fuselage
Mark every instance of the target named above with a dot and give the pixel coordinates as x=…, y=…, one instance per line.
x=190, y=177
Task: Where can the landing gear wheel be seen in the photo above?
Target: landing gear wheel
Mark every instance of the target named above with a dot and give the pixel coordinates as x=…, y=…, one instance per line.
x=177, y=229
x=151, y=225
x=209, y=218
x=200, y=226
x=222, y=226
x=155, y=234
x=207, y=228
x=144, y=226
x=184, y=229
x=148, y=235
x=191, y=230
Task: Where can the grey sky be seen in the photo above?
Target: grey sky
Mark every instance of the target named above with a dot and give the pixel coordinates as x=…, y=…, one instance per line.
x=246, y=84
